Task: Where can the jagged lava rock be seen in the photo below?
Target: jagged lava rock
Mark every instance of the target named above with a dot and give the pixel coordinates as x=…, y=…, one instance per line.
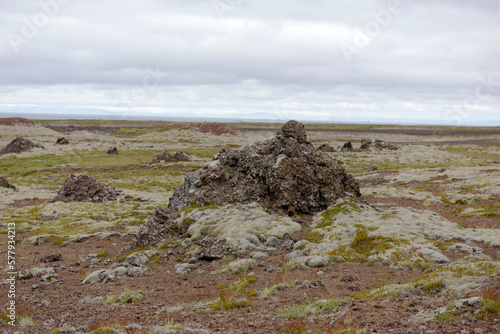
x=62, y=141
x=347, y=147
x=112, y=150
x=365, y=144
x=83, y=188
x=326, y=148
x=5, y=184
x=19, y=145
x=285, y=174
x=165, y=156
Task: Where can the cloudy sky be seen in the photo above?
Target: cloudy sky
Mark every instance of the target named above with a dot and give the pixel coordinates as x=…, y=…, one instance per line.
x=419, y=61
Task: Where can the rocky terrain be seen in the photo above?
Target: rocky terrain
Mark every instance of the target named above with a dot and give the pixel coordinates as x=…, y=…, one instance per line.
x=289, y=231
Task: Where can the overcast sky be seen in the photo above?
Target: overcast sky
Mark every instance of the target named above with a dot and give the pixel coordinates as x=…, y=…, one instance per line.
x=365, y=60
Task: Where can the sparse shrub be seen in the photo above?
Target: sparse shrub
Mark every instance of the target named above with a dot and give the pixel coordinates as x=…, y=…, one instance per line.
x=241, y=285
x=227, y=302
x=491, y=300
x=126, y=297
x=431, y=285
x=296, y=327
x=59, y=241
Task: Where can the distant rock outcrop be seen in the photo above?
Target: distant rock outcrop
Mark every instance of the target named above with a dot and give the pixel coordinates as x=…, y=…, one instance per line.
x=381, y=145
x=83, y=188
x=365, y=144
x=13, y=121
x=112, y=150
x=5, y=184
x=62, y=141
x=166, y=157
x=347, y=147
x=327, y=148
x=19, y=145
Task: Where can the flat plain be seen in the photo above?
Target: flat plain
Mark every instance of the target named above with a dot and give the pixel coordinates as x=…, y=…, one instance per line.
x=420, y=253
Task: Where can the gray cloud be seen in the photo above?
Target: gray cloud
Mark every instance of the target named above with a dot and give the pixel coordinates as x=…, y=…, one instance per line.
x=432, y=60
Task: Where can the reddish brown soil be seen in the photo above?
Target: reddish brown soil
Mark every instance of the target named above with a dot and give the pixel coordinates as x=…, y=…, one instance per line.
x=16, y=121
x=165, y=288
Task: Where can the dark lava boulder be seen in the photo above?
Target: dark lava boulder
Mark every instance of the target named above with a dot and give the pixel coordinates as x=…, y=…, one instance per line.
x=62, y=141
x=365, y=144
x=285, y=174
x=380, y=144
x=19, y=145
x=5, y=184
x=327, y=148
x=112, y=150
x=347, y=147
x=83, y=188
x=166, y=157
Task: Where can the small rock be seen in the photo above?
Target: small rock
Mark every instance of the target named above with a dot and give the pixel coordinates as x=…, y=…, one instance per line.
x=183, y=268
x=259, y=256
x=272, y=242
x=347, y=147
x=353, y=288
x=347, y=278
x=112, y=150
x=321, y=272
x=441, y=170
x=238, y=266
x=372, y=168
x=317, y=261
x=133, y=271
x=5, y=184
x=25, y=274
x=326, y=148
x=120, y=271
x=62, y=141
x=137, y=259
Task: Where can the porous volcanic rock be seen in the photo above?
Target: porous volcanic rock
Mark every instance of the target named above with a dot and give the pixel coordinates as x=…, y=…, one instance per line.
x=157, y=228
x=365, y=144
x=83, y=188
x=285, y=174
x=112, y=150
x=381, y=145
x=62, y=141
x=165, y=156
x=5, y=184
x=347, y=147
x=19, y=145
x=327, y=148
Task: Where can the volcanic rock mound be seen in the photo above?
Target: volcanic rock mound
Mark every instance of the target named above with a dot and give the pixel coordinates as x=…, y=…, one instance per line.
x=165, y=156
x=82, y=188
x=5, y=184
x=19, y=145
x=62, y=141
x=285, y=174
